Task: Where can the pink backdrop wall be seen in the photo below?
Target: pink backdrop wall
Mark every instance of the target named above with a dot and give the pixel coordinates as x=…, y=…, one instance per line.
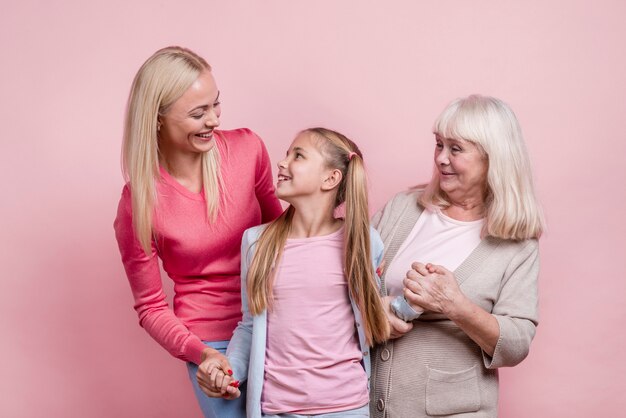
x=378, y=71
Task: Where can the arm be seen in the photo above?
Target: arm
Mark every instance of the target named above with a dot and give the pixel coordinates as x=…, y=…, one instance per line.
x=435, y=289
x=505, y=334
x=516, y=309
x=238, y=351
x=216, y=375
x=144, y=277
x=395, y=306
x=397, y=326
x=264, y=185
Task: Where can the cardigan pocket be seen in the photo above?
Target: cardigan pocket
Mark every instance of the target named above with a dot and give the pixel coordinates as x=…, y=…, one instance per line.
x=452, y=392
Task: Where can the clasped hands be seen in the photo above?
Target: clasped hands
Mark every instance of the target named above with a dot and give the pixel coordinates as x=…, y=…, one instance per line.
x=215, y=376
x=427, y=287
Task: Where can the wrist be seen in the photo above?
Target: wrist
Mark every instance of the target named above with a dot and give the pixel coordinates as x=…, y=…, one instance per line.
x=207, y=352
x=456, y=309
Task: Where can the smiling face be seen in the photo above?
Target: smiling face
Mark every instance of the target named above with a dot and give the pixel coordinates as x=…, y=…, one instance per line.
x=462, y=169
x=303, y=172
x=187, y=126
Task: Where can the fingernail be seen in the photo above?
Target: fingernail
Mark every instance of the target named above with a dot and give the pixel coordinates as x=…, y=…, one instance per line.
x=235, y=384
x=230, y=372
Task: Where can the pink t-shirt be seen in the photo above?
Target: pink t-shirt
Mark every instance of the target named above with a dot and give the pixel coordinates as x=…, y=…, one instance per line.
x=203, y=259
x=437, y=239
x=313, y=359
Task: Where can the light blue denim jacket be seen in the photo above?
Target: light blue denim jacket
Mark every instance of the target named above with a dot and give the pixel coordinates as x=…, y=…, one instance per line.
x=246, y=350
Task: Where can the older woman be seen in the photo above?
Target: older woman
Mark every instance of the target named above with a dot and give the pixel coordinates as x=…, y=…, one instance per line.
x=191, y=192
x=468, y=304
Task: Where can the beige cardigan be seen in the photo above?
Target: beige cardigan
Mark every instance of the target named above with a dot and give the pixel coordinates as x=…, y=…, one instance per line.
x=436, y=369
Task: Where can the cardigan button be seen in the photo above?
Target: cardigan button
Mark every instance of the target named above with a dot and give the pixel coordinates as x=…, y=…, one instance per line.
x=380, y=405
x=385, y=354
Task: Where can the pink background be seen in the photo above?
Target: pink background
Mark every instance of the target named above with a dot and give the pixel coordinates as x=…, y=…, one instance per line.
x=377, y=71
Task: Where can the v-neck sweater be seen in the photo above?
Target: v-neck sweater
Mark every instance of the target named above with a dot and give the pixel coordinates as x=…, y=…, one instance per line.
x=202, y=258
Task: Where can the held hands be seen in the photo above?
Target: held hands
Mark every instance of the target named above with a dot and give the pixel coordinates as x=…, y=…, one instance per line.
x=215, y=376
x=432, y=288
x=397, y=325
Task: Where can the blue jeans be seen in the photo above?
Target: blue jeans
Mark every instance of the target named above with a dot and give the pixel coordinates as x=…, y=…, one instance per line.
x=217, y=407
x=363, y=412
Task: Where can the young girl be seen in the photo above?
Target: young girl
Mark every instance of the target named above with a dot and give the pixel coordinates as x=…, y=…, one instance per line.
x=311, y=305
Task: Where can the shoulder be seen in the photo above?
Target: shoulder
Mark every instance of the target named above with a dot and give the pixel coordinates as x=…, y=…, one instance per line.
x=512, y=253
x=526, y=246
x=249, y=240
x=242, y=136
x=123, y=219
x=242, y=143
x=408, y=197
x=251, y=235
x=399, y=205
x=125, y=198
x=405, y=199
x=377, y=246
x=126, y=191
x=375, y=238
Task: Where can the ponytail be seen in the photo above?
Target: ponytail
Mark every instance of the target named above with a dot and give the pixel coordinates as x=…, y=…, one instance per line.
x=269, y=249
x=344, y=154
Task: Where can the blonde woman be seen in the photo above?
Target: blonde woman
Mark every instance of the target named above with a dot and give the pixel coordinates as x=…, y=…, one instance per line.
x=192, y=190
x=310, y=296
x=468, y=304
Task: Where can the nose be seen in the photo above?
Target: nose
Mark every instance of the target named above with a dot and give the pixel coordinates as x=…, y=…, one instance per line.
x=212, y=120
x=282, y=163
x=441, y=157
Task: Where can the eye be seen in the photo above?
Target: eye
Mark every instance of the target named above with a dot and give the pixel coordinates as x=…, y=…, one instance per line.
x=216, y=104
x=456, y=148
x=439, y=145
x=197, y=115
x=298, y=156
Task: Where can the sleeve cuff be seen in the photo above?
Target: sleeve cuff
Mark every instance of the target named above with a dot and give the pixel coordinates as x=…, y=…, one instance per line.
x=401, y=308
x=194, y=349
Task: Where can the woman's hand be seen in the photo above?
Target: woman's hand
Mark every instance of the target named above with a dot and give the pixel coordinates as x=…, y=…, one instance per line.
x=398, y=326
x=438, y=291
x=215, y=376
x=432, y=288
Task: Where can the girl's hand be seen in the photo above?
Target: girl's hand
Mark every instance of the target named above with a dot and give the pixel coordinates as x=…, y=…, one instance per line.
x=215, y=376
x=433, y=288
x=398, y=326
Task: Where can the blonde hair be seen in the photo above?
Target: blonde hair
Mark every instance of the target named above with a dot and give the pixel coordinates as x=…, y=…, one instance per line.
x=512, y=208
x=160, y=81
x=342, y=154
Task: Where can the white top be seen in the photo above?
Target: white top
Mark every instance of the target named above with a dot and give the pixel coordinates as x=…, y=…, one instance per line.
x=437, y=239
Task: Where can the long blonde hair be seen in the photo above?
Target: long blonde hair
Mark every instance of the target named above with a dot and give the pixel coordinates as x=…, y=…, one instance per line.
x=160, y=81
x=512, y=208
x=342, y=154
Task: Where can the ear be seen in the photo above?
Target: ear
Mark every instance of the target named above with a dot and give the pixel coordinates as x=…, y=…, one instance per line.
x=332, y=180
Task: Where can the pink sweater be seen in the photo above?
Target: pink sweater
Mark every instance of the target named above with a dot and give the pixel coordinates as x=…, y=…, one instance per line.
x=202, y=259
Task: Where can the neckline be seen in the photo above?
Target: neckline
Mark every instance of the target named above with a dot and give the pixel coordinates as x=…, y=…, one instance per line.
x=167, y=177
x=446, y=218
x=318, y=237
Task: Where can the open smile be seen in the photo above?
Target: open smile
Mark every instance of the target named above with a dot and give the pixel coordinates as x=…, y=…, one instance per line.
x=282, y=178
x=205, y=135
